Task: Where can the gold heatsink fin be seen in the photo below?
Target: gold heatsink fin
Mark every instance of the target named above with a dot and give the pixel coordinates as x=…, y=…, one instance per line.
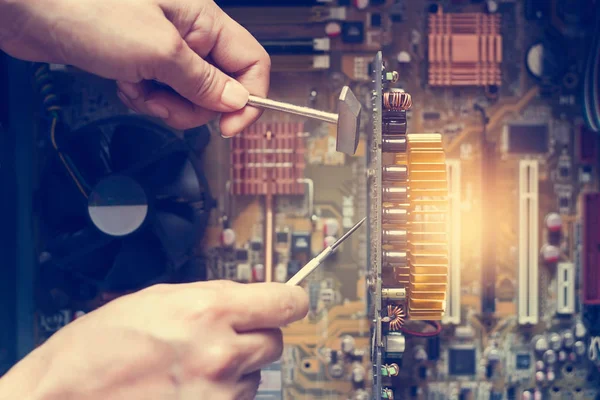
x=428, y=249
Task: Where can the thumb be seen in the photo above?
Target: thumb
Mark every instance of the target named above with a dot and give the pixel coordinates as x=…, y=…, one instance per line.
x=201, y=82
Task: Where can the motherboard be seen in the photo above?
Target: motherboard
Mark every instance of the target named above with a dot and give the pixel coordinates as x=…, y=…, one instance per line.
x=477, y=273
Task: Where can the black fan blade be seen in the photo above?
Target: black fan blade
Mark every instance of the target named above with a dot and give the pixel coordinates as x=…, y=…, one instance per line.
x=88, y=150
x=173, y=177
x=175, y=226
x=139, y=263
x=133, y=144
x=82, y=251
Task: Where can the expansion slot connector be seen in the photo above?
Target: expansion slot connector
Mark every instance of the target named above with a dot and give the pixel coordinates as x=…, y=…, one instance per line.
x=452, y=315
x=528, y=242
x=565, y=290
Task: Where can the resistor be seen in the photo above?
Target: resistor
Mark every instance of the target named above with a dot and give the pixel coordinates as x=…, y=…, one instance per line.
x=397, y=99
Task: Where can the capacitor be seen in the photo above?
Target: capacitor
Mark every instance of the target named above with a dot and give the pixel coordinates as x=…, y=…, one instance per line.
x=333, y=356
x=553, y=222
x=361, y=4
x=281, y=273
x=358, y=373
x=526, y=395
x=336, y=371
x=258, y=273
x=550, y=376
x=331, y=227
x=539, y=365
x=555, y=341
x=579, y=348
x=562, y=356
x=394, y=194
x=549, y=357
x=572, y=357
x=568, y=339
x=348, y=344
x=333, y=29
x=328, y=241
x=392, y=144
x=537, y=394
x=395, y=294
x=580, y=330
x=393, y=237
x=394, y=257
x=494, y=355
x=394, y=215
x=228, y=237
x=403, y=57
x=540, y=377
x=550, y=253
x=492, y=6
x=420, y=354
x=395, y=173
x=540, y=344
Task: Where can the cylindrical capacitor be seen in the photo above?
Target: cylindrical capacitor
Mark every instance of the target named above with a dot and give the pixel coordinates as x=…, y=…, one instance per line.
x=550, y=357
x=347, y=344
x=390, y=144
x=391, y=127
x=572, y=357
x=394, y=257
x=358, y=373
x=579, y=348
x=228, y=237
x=393, y=236
x=258, y=273
x=395, y=173
x=394, y=194
x=333, y=29
x=550, y=376
x=336, y=371
x=568, y=339
x=580, y=330
x=553, y=222
x=394, y=215
x=555, y=341
x=537, y=394
x=526, y=395
x=540, y=376
x=539, y=365
x=562, y=356
x=395, y=294
x=331, y=227
x=540, y=344
x=550, y=253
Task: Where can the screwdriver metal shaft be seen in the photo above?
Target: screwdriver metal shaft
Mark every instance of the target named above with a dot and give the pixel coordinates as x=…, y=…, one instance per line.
x=292, y=109
x=318, y=260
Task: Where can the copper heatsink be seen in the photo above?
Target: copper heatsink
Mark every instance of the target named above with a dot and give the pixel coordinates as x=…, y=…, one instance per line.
x=464, y=49
x=268, y=158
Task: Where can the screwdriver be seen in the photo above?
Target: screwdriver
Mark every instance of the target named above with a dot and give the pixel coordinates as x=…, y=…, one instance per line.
x=318, y=260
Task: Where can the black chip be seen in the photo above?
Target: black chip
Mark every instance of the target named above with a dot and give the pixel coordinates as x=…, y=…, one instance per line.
x=353, y=32
x=282, y=237
x=256, y=246
x=376, y=20
x=528, y=139
x=523, y=361
x=462, y=362
x=431, y=116
x=241, y=255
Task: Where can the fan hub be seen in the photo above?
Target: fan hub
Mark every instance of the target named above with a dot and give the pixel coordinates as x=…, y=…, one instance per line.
x=118, y=205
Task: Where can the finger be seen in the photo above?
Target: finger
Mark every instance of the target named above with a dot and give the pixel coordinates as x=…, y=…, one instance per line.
x=265, y=305
x=247, y=387
x=173, y=109
x=199, y=81
x=261, y=348
x=232, y=49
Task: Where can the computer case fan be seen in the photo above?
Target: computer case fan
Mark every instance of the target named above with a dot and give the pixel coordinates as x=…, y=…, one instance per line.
x=123, y=204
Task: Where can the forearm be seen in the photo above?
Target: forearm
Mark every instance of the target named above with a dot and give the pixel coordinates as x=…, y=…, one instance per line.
x=12, y=13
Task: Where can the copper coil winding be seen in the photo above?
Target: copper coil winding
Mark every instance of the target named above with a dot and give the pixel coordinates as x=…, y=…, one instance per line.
x=395, y=317
x=397, y=100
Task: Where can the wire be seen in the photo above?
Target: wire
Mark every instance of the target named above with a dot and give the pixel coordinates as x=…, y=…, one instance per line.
x=51, y=105
x=435, y=324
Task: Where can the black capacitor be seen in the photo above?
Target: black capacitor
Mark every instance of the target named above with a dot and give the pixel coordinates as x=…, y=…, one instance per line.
x=395, y=173
x=433, y=348
x=392, y=144
x=394, y=194
x=393, y=127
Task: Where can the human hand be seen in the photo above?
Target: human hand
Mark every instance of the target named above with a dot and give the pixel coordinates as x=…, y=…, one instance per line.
x=192, y=46
x=204, y=340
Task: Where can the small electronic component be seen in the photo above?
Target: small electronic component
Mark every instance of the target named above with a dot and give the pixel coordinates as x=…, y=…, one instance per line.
x=526, y=139
x=522, y=361
x=462, y=361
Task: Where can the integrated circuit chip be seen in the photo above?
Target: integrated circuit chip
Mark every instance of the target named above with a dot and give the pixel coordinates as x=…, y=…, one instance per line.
x=462, y=361
x=526, y=139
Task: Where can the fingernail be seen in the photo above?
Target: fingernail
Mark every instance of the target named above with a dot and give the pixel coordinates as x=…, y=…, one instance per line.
x=225, y=137
x=157, y=110
x=234, y=95
x=129, y=90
